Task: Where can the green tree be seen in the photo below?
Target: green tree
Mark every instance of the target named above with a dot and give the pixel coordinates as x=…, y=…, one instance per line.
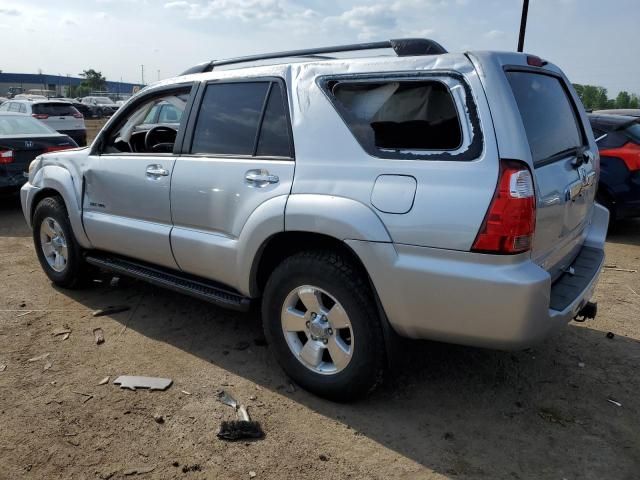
x=623, y=100
x=634, y=102
x=93, y=80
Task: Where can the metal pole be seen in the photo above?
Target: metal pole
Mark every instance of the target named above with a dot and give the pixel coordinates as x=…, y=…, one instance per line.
x=142, y=73
x=523, y=24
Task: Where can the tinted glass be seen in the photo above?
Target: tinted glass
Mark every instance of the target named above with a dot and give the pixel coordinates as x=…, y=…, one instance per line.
x=274, y=135
x=401, y=115
x=14, y=107
x=633, y=132
x=22, y=125
x=228, y=118
x=547, y=114
x=54, y=109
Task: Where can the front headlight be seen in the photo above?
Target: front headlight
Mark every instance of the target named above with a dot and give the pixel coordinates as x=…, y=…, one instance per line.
x=33, y=167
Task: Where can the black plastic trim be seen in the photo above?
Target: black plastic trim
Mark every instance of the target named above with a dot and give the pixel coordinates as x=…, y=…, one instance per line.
x=177, y=281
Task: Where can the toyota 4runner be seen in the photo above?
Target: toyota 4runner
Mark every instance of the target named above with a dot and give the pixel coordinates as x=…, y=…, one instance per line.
x=430, y=194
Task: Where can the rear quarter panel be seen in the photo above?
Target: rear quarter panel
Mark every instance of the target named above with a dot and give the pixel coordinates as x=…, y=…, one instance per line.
x=451, y=197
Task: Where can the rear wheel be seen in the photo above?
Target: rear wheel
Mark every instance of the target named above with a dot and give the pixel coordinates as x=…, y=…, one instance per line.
x=320, y=318
x=59, y=254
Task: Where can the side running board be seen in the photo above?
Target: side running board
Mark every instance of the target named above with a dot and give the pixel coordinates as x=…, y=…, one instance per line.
x=177, y=281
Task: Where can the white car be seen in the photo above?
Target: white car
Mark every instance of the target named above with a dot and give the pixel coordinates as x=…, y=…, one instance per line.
x=60, y=115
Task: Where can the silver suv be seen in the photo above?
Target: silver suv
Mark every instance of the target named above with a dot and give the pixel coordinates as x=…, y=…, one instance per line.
x=427, y=194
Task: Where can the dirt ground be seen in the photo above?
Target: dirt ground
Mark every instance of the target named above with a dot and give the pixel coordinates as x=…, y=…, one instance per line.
x=445, y=411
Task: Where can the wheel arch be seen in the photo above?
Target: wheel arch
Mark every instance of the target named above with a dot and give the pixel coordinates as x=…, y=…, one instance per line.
x=56, y=181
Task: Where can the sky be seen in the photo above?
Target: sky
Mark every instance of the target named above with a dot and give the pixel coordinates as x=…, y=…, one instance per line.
x=594, y=42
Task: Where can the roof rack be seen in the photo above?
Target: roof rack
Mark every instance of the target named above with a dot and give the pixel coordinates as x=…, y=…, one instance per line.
x=402, y=46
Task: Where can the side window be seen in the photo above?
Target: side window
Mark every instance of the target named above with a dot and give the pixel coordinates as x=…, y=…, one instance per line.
x=274, y=134
x=229, y=117
x=244, y=119
x=397, y=116
x=23, y=108
x=14, y=107
x=133, y=134
x=151, y=116
x=4, y=107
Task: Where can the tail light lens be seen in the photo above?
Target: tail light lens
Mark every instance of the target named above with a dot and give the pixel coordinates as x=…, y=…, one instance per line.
x=40, y=116
x=55, y=148
x=76, y=113
x=6, y=156
x=509, y=225
x=629, y=153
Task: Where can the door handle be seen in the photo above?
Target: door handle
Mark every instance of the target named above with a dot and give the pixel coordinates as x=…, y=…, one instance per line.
x=260, y=178
x=157, y=171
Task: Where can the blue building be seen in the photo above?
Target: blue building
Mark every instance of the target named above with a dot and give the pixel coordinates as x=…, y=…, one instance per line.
x=55, y=83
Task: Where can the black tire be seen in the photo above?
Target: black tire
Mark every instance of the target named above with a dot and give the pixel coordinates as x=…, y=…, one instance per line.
x=75, y=270
x=337, y=277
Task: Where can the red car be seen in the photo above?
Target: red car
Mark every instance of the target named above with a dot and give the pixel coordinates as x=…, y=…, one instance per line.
x=618, y=139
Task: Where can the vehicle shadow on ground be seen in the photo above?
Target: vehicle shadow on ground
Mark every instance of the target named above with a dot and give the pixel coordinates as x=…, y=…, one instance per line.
x=462, y=412
x=626, y=232
x=12, y=222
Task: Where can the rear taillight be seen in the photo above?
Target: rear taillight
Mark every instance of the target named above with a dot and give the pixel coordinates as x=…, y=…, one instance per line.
x=76, y=113
x=6, y=156
x=509, y=224
x=40, y=116
x=629, y=153
x=55, y=148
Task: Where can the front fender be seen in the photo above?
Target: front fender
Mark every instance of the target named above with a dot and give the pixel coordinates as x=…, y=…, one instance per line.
x=57, y=177
x=338, y=217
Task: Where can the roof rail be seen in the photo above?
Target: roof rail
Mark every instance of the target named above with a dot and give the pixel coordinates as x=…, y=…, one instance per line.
x=402, y=46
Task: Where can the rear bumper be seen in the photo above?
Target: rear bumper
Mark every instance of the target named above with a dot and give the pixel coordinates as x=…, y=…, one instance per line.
x=474, y=299
x=11, y=181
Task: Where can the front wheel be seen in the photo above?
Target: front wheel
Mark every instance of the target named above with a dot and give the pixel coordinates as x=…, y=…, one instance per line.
x=59, y=254
x=320, y=318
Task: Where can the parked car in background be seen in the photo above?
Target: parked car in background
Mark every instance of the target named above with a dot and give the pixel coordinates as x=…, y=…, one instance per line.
x=353, y=200
x=3, y=99
x=102, y=106
x=618, y=139
x=630, y=112
x=86, y=110
x=59, y=115
x=23, y=138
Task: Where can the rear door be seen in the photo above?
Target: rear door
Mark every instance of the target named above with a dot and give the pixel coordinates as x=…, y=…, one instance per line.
x=60, y=116
x=238, y=157
x=564, y=167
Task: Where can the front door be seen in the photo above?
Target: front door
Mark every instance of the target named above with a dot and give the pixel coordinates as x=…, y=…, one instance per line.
x=238, y=162
x=126, y=204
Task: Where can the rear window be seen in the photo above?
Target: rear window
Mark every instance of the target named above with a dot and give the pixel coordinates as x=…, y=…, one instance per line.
x=400, y=115
x=633, y=132
x=19, y=125
x=548, y=116
x=54, y=109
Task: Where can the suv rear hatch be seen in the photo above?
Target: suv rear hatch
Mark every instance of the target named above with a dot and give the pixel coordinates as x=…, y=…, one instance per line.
x=60, y=116
x=564, y=167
